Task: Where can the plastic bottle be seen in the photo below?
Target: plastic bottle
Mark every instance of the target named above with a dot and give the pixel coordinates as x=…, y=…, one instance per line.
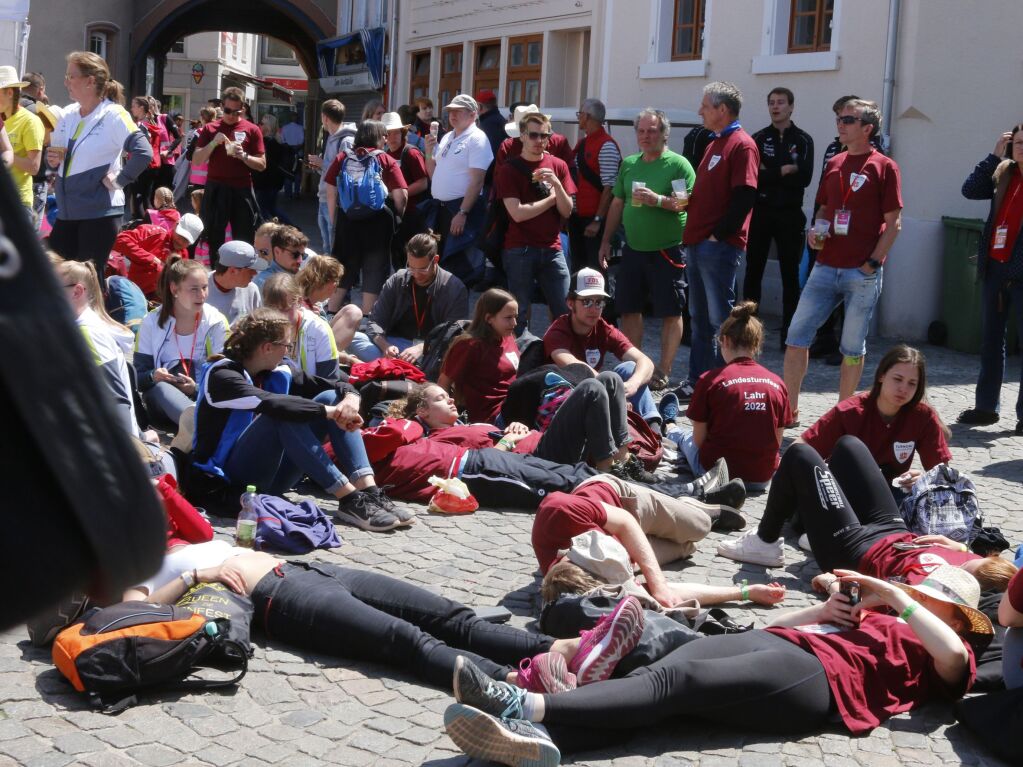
x=245, y=532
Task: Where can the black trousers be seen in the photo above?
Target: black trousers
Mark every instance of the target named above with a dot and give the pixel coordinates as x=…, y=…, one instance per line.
x=86, y=240
x=754, y=680
x=846, y=504
x=585, y=250
x=223, y=205
x=591, y=423
x=368, y=616
x=786, y=228
x=510, y=480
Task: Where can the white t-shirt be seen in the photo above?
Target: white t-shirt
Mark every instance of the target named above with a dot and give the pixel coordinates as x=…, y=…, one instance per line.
x=454, y=156
x=198, y=556
x=102, y=340
x=315, y=347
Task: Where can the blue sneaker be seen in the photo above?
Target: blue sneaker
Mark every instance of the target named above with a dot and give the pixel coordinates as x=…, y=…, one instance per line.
x=514, y=742
x=668, y=407
x=478, y=690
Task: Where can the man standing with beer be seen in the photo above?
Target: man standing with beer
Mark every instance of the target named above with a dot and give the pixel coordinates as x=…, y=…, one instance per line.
x=859, y=217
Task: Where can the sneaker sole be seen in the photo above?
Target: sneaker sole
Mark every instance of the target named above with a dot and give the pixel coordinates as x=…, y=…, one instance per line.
x=730, y=494
x=750, y=559
x=620, y=640
x=482, y=737
x=365, y=524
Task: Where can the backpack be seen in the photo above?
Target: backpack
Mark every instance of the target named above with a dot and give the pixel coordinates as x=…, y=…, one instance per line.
x=436, y=345
x=943, y=502
x=361, y=192
x=131, y=647
x=495, y=226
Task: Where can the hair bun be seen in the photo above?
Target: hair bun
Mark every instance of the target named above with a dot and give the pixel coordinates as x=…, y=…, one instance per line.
x=744, y=310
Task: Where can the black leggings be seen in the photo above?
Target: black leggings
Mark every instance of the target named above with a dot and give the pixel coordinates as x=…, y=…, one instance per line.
x=591, y=422
x=512, y=480
x=754, y=680
x=846, y=504
x=368, y=616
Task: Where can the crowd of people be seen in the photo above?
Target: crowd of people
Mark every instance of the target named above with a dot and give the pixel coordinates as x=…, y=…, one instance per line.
x=213, y=322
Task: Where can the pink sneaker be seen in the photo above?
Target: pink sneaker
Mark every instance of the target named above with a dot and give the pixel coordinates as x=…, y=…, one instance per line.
x=614, y=637
x=546, y=673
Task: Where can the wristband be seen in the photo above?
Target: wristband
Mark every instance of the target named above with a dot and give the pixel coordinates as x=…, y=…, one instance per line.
x=744, y=589
x=504, y=443
x=660, y=201
x=910, y=609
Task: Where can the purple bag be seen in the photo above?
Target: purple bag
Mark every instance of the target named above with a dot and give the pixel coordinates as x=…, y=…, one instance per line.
x=290, y=528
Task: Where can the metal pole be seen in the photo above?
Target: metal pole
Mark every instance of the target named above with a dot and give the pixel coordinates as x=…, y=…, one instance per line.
x=887, y=96
x=392, y=41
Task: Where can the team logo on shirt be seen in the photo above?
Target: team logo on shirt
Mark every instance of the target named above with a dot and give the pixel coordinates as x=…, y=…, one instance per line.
x=714, y=160
x=930, y=562
x=903, y=451
x=857, y=180
x=592, y=357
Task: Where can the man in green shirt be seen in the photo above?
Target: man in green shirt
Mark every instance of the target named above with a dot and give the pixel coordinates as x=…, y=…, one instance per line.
x=650, y=197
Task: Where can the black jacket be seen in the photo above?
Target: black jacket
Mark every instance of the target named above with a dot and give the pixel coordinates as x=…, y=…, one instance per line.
x=794, y=146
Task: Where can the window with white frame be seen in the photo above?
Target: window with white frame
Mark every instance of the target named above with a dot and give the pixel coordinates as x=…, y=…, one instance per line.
x=98, y=41
x=101, y=39
x=799, y=36
x=178, y=46
x=678, y=35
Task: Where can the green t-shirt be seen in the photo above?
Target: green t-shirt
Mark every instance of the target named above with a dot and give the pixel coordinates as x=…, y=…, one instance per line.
x=647, y=227
x=26, y=132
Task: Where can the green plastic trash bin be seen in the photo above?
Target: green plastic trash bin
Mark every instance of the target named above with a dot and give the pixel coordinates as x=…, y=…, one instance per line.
x=960, y=291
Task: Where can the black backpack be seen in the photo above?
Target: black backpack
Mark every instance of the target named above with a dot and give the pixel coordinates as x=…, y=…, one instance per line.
x=495, y=226
x=132, y=647
x=436, y=345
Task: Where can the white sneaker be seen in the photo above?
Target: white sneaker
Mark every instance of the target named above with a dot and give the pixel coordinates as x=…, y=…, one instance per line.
x=749, y=548
x=804, y=543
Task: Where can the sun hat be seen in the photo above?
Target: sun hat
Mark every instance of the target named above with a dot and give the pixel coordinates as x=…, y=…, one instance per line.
x=955, y=586
x=9, y=78
x=520, y=114
x=589, y=282
x=392, y=121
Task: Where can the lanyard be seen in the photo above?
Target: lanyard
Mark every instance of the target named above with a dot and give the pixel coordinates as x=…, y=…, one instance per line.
x=1003, y=214
x=415, y=310
x=191, y=354
x=841, y=179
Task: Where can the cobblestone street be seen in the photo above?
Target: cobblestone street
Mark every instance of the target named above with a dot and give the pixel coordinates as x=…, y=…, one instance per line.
x=297, y=708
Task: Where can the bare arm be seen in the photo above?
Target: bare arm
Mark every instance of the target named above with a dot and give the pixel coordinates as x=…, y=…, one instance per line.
x=644, y=365
x=524, y=211
x=6, y=150
x=563, y=358
x=400, y=199
x=331, y=202
x=893, y=223
x=202, y=154
x=254, y=162
x=418, y=187
x=29, y=163
x=623, y=526
x=761, y=593
x=699, y=432
x=614, y=220
x=1007, y=614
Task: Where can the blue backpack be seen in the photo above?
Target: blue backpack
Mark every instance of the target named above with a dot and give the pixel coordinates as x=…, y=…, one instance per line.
x=361, y=189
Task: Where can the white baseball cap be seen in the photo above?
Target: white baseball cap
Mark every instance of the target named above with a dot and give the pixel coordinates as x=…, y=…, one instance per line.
x=587, y=283
x=189, y=228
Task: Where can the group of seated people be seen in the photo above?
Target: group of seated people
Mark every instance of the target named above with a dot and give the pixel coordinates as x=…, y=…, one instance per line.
x=268, y=397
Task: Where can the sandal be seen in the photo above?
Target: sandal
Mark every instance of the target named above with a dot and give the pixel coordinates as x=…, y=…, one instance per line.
x=658, y=381
x=794, y=423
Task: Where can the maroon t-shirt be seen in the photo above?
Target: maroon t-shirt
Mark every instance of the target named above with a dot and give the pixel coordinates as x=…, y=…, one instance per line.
x=543, y=231
x=390, y=171
x=482, y=372
x=562, y=516
x=892, y=444
x=589, y=348
x=883, y=560
x=867, y=186
x=413, y=168
x=743, y=405
x=877, y=670
x=729, y=162
x=1015, y=592
x=231, y=171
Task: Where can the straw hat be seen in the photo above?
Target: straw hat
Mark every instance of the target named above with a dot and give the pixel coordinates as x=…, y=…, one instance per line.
x=392, y=121
x=9, y=78
x=955, y=586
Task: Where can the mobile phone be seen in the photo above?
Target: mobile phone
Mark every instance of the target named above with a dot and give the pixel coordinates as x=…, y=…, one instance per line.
x=851, y=589
x=495, y=614
x=906, y=546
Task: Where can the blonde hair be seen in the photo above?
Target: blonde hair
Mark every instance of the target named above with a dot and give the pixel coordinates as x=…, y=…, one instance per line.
x=994, y=573
x=84, y=273
x=196, y=199
x=281, y=292
x=318, y=271
x=565, y=577
x=163, y=198
x=93, y=66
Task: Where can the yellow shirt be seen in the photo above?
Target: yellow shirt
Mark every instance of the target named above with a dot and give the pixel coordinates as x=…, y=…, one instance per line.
x=26, y=132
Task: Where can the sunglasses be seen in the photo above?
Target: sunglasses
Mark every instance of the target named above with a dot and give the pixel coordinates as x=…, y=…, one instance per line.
x=848, y=120
x=288, y=346
x=537, y=136
x=233, y=111
x=589, y=303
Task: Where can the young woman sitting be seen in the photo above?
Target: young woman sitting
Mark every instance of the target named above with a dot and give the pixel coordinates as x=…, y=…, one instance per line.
x=176, y=339
x=739, y=411
x=315, y=350
x=258, y=422
x=318, y=280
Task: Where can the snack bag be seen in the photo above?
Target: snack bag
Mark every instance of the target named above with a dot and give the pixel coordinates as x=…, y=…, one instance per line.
x=452, y=497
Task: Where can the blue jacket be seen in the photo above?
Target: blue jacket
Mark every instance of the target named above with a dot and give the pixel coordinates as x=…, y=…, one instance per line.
x=293, y=528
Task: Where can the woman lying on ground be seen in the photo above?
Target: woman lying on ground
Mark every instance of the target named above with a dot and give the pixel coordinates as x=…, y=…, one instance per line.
x=258, y=422
x=899, y=648
x=504, y=468
x=364, y=615
x=853, y=522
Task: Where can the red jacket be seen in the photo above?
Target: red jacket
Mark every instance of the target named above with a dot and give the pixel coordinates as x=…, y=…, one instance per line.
x=147, y=248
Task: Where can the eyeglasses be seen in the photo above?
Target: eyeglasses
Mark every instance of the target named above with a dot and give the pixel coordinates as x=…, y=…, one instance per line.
x=288, y=346
x=233, y=111
x=294, y=253
x=589, y=303
x=580, y=114
x=419, y=269
x=848, y=120
x=537, y=136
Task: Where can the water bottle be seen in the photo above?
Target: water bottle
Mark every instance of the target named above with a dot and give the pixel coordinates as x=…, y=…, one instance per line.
x=245, y=532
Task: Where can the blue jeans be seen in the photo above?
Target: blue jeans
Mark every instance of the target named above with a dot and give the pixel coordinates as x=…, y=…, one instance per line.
x=642, y=401
x=326, y=228
x=166, y=401
x=998, y=295
x=826, y=288
x=367, y=351
x=274, y=455
x=546, y=266
x=712, y=267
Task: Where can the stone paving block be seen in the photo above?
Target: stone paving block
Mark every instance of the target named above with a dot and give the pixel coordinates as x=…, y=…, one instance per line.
x=302, y=718
x=106, y=759
x=52, y=759
x=78, y=743
x=156, y=755
x=24, y=748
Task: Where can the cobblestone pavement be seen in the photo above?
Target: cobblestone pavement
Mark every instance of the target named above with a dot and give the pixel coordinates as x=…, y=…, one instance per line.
x=299, y=708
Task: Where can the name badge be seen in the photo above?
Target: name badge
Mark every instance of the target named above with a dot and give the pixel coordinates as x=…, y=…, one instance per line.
x=592, y=357
x=842, y=220
x=1001, y=237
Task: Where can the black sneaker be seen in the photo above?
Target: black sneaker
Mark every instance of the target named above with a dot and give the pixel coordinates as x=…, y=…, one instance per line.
x=684, y=391
x=631, y=469
x=732, y=494
x=359, y=510
x=977, y=417
x=377, y=496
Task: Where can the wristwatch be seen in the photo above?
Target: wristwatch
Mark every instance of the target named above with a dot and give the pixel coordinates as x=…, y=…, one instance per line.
x=598, y=219
x=873, y=263
x=463, y=212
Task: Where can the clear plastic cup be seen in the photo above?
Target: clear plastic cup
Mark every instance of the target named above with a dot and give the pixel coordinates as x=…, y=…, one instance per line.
x=637, y=185
x=821, y=227
x=434, y=129
x=680, y=189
